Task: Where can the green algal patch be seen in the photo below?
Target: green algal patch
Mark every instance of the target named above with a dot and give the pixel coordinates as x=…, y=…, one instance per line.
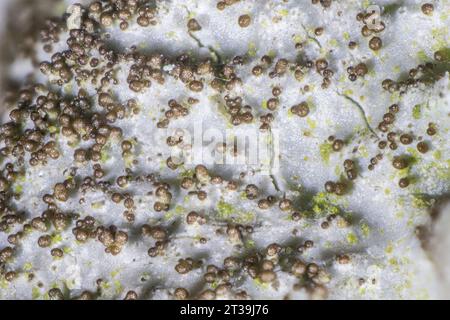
x=252, y=49
x=187, y=174
x=322, y=205
x=114, y=273
x=365, y=229
x=105, y=156
x=245, y=217
x=67, y=250
x=128, y=161
x=363, y=151
x=437, y=155
x=417, y=112
x=97, y=205
x=118, y=288
x=422, y=56
x=297, y=38
x=283, y=12
x=4, y=284
x=421, y=202
x=346, y=36
x=391, y=8
x=27, y=266
x=226, y=211
x=325, y=151
x=35, y=293
x=264, y=104
x=260, y=284
x=333, y=43
x=18, y=189
x=178, y=211
x=352, y=238
x=311, y=123
x=56, y=238
x=439, y=35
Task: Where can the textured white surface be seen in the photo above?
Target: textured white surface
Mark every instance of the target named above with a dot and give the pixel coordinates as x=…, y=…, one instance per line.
x=383, y=216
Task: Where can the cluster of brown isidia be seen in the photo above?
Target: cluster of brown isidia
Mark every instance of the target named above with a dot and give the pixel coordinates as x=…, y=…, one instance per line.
x=89, y=125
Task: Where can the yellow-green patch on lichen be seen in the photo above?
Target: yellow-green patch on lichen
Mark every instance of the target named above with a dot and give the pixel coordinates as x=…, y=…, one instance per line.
x=322, y=205
x=417, y=112
x=325, y=151
x=352, y=238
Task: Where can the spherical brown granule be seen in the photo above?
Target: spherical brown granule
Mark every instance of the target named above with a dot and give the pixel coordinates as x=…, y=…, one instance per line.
x=365, y=31
x=325, y=225
x=302, y=109
x=3, y=184
x=276, y=91
x=321, y=64
x=106, y=19
x=44, y=241
x=267, y=276
x=257, y=71
x=244, y=21
x=393, y=146
x=337, y=145
x=318, y=31
x=181, y=294
x=330, y=186
x=352, y=174
x=439, y=56
x=251, y=191
x=340, y=188
x=403, y=182
x=375, y=43
x=394, y=108
x=399, y=163
x=221, y=5
x=349, y=164
x=55, y=294
x=352, y=45
x=343, y=259
x=143, y=21
x=285, y=204
x=326, y=3
x=60, y=192
x=183, y=267
x=272, y=104
x=131, y=295
x=422, y=147
x=57, y=253
x=431, y=131
x=427, y=8
x=263, y=204
x=196, y=86
x=207, y=295
x=193, y=25
x=361, y=69
x=10, y=276
x=406, y=139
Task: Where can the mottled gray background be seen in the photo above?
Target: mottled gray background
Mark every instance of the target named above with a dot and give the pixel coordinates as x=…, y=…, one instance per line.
x=20, y=21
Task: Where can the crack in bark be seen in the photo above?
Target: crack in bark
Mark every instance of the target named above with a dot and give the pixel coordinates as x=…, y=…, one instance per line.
x=311, y=37
x=216, y=56
x=272, y=161
x=361, y=111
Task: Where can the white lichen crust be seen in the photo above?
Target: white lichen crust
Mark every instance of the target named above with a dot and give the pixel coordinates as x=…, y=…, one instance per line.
x=94, y=206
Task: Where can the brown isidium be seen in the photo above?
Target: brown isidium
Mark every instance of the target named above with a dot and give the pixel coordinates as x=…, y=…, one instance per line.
x=91, y=124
